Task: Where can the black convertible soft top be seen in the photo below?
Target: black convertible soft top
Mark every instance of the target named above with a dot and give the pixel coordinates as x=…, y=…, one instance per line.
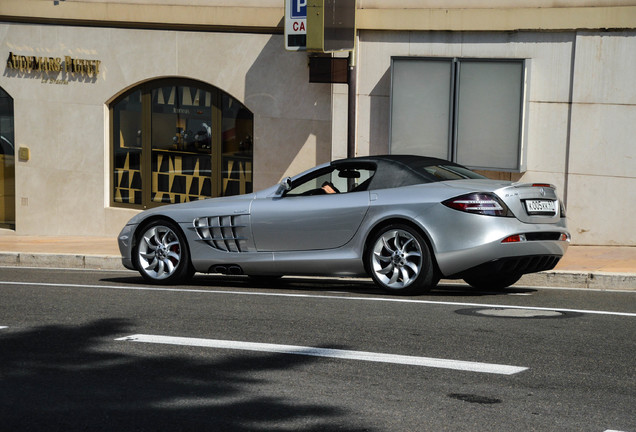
x=405, y=170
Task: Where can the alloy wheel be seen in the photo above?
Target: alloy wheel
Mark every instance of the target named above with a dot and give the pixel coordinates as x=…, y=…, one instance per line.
x=396, y=258
x=159, y=252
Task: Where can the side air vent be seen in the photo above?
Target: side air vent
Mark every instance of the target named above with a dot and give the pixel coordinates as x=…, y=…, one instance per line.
x=224, y=233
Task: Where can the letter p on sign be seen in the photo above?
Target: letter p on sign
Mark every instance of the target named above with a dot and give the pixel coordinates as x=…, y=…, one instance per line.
x=299, y=8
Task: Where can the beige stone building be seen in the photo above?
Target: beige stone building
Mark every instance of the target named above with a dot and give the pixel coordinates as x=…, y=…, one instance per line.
x=109, y=107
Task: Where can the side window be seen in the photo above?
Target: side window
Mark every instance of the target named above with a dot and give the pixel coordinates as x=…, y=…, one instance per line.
x=311, y=185
x=334, y=180
x=353, y=179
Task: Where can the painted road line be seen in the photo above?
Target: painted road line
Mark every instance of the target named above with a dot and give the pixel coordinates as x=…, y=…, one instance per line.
x=331, y=353
x=317, y=296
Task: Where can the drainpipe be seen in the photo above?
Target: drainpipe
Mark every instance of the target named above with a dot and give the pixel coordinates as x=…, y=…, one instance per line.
x=568, y=137
x=351, y=104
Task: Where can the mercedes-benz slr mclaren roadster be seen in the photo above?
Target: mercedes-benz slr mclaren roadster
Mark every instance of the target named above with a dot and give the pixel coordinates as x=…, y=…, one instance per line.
x=405, y=221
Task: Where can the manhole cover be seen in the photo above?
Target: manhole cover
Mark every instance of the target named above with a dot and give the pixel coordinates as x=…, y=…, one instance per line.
x=507, y=312
x=519, y=313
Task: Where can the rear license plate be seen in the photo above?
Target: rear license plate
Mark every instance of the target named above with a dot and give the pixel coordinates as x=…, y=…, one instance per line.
x=544, y=207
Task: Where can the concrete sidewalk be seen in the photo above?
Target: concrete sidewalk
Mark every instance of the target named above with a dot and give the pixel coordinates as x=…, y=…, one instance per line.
x=598, y=267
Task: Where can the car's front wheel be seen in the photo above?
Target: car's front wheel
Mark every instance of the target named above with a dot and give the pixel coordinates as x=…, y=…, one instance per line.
x=400, y=262
x=161, y=254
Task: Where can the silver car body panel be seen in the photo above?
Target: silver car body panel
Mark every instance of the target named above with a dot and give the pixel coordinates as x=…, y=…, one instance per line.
x=268, y=233
x=311, y=222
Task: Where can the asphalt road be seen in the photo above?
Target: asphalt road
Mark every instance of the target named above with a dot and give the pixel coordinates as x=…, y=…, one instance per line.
x=103, y=351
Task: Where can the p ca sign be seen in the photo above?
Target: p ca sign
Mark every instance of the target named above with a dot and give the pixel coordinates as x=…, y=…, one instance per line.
x=295, y=25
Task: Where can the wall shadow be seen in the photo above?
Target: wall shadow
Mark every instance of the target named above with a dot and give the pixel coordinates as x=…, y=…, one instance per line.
x=63, y=378
x=290, y=113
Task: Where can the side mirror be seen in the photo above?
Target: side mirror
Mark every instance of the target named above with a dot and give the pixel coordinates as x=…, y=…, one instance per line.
x=284, y=186
x=287, y=184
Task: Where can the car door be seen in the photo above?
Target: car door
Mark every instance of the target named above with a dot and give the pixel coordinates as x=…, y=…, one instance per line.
x=308, y=218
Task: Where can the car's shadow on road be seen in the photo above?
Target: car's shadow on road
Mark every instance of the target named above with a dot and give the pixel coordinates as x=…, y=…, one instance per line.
x=322, y=285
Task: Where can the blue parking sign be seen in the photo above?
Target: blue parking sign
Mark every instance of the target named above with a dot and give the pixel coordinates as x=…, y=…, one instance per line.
x=295, y=25
x=298, y=8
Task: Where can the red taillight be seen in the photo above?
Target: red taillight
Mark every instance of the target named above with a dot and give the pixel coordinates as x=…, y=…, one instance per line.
x=479, y=203
x=514, y=238
x=548, y=185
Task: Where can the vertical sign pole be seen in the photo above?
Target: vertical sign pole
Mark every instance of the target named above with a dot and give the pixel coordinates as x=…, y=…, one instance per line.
x=351, y=104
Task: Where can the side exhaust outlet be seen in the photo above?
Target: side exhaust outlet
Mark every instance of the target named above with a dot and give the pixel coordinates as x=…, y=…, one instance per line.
x=226, y=270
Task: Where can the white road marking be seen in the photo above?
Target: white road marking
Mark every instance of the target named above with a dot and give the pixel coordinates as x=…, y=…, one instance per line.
x=316, y=296
x=331, y=353
x=3, y=327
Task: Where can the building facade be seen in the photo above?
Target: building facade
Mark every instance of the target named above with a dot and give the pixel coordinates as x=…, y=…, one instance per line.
x=107, y=108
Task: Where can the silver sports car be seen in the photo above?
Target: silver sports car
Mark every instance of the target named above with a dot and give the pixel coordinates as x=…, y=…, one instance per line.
x=405, y=221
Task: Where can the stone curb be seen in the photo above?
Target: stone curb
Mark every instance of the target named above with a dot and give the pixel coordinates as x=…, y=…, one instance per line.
x=555, y=278
x=571, y=279
x=92, y=262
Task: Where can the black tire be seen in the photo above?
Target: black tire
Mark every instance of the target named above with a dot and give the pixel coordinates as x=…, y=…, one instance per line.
x=161, y=253
x=399, y=261
x=495, y=282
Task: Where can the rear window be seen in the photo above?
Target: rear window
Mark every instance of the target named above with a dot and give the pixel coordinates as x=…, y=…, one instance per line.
x=447, y=172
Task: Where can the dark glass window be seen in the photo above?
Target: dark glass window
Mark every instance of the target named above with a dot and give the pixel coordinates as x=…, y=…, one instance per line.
x=177, y=141
x=126, y=115
x=237, y=125
x=7, y=162
x=469, y=111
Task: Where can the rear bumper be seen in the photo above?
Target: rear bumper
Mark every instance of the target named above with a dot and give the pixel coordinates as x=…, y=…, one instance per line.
x=494, y=257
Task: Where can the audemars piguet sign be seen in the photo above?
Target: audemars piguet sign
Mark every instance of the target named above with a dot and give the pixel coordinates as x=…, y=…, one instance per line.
x=52, y=66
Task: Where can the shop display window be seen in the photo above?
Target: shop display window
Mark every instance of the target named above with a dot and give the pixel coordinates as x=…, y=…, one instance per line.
x=7, y=162
x=177, y=141
x=236, y=142
x=127, y=127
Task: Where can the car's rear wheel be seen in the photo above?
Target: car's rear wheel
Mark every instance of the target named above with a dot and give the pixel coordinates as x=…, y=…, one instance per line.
x=161, y=254
x=495, y=282
x=399, y=261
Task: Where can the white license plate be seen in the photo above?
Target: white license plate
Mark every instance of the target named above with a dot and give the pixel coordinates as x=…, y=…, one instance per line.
x=541, y=207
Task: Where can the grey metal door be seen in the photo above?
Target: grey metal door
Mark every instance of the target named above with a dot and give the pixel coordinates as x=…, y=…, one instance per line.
x=300, y=223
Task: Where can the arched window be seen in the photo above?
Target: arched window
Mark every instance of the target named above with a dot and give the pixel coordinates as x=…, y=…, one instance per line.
x=178, y=140
x=7, y=162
